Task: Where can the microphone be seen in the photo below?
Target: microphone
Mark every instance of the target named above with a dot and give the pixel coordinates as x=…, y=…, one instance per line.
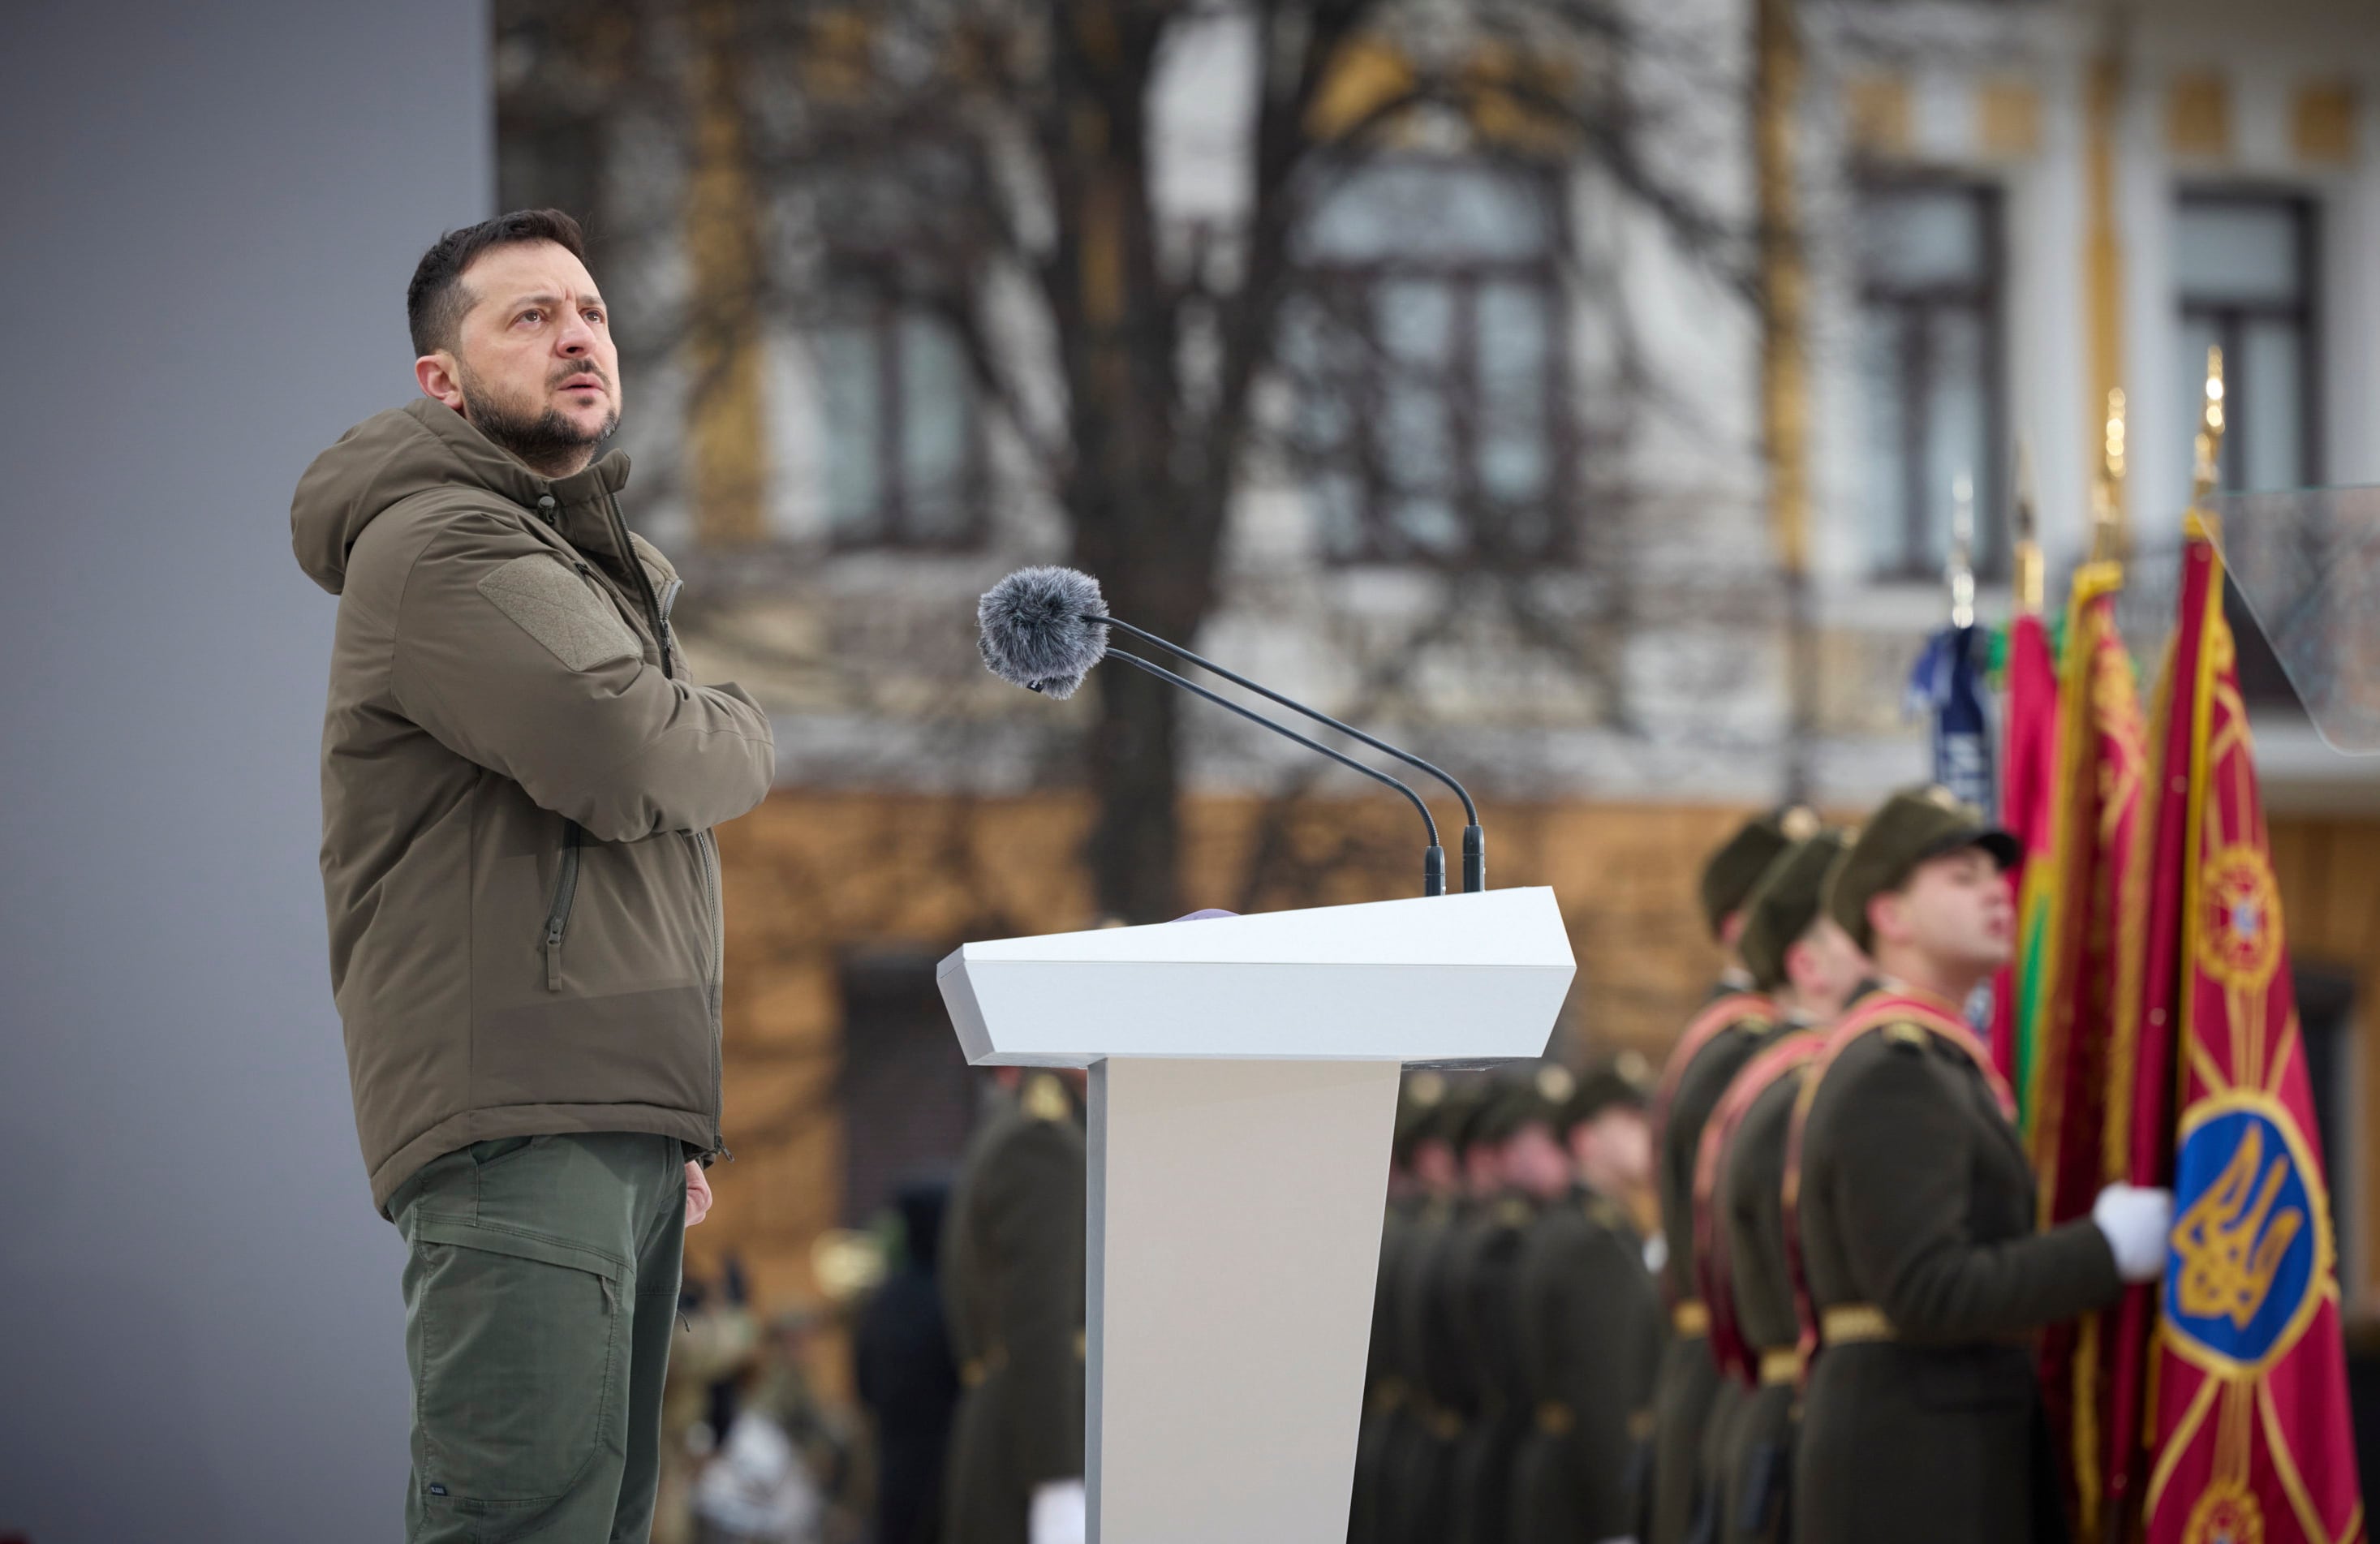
x=1044, y=630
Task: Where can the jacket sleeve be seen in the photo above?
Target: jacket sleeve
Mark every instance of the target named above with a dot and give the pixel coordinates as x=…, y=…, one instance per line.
x=1034, y=1203
x=539, y=680
x=1902, y=1182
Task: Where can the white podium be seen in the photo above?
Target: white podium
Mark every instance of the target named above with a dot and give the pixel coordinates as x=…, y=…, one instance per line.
x=1242, y=1088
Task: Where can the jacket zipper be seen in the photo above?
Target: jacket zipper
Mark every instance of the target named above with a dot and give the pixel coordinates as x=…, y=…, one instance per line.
x=627, y=551
x=558, y=916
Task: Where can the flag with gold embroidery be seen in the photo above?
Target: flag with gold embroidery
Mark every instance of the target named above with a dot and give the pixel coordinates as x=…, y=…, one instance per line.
x=2245, y=1405
x=2079, y=888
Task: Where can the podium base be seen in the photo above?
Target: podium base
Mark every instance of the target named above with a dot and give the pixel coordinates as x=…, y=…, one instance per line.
x=1234, y=1237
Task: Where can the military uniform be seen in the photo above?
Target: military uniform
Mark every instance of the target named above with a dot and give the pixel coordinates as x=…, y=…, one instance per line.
x=1390, y=1432
x=1752, y=1470
x=1484, y=1279
x=1012, y=1260
x=1387, y=1406
x=1446, y=1385
x=1917, y=1254
x=1589, y=1334
x=1719, y=1041
x=1727, y=1035
x=1739, y=1229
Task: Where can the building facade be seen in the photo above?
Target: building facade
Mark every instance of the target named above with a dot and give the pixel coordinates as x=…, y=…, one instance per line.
x=1621, y=484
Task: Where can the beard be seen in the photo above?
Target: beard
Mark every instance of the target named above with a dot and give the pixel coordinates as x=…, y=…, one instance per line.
x=546, y=441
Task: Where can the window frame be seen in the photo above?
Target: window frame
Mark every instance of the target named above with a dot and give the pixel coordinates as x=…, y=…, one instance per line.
x=1988, y=552
x=1345, y=287
x=877, y=309
x=2228, y=321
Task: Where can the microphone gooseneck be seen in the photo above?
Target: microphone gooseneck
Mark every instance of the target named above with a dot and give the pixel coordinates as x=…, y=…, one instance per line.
x=1433, y=873
x=1045, y=628
x=1475, y=839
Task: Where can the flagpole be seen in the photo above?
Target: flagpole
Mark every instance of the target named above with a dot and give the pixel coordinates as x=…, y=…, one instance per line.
x=2206, y=469
x=1960, y=571
x=2149, y=1052
x=2108, y=534
x=2030, y=581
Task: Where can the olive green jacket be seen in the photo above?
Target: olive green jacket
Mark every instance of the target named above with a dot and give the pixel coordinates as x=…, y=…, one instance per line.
x=1483, y=1276
x=1590, y=1333
x=518, y=788
x=1689, y=1379
x=1917, y=1201
x=1752, y=1471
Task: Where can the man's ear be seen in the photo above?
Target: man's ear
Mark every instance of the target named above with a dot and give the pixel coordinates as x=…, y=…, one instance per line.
x=1884, y=921
x=441, y=377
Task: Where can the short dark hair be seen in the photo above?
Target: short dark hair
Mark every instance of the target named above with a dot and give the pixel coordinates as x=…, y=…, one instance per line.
x=435, y=301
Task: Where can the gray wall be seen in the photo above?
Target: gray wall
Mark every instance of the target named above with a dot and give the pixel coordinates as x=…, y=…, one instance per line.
x=208, y=215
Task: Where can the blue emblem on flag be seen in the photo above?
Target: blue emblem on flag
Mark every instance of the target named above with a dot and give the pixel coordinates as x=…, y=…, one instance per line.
x=2245, y=1258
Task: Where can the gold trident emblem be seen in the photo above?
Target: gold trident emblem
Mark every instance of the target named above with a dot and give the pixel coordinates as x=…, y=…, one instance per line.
x=2228, y=1257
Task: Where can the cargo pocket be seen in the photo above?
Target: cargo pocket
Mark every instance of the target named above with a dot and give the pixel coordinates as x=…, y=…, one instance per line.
x=517, y=1364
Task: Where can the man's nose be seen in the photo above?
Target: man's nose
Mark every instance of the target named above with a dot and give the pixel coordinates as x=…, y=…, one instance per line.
x=576, y=336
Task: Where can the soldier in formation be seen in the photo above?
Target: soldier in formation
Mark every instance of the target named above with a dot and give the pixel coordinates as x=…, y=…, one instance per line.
x=1588, y=1324
x=1913, y=1211
x=1012, y=1266
x=1729, y=1030
x=1809, y=969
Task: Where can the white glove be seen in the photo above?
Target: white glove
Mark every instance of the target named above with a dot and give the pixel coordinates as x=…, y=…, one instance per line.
x=2136, y=1222
x=1057, y=1513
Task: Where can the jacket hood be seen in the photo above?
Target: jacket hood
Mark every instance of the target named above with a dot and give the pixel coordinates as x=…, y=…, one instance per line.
x=393, y=455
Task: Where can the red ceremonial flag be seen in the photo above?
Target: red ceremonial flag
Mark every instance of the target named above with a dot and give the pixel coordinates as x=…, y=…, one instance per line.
x=2080, y=886
x=2245, y=1398
x=2028, y=780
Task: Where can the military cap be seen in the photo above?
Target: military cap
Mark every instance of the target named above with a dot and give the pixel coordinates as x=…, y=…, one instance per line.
x=1784, y=904
x=1457, y=1118
x=1515, y=1105
x=1619, y=1083
x=1730, y=873
x=1914, y=825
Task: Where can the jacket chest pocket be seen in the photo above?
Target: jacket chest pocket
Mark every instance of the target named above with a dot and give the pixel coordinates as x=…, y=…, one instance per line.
x=558, y=906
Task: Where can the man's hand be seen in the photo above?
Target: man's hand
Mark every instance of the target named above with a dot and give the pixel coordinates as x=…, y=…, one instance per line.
x=697, y=1194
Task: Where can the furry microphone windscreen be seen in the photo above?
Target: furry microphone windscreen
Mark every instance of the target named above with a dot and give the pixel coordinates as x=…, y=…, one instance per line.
x=1038, y=629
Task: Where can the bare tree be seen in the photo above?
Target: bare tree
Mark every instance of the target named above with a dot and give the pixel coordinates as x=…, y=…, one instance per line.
x=995, y=162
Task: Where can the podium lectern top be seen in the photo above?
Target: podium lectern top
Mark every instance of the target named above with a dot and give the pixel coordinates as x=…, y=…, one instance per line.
x=1450, y=979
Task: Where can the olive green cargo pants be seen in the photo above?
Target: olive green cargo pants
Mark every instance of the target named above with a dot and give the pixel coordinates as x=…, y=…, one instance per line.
x=540, y=1284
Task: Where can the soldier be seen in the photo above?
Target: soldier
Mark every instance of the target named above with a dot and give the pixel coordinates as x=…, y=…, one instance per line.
x=1012, y=1261
x=1387, y=1379
x=1611, y=1141
x=1589, y=1334
x=1409, y=1509
x=1810, y=967
x=1715, y=1046
x=1519, y=1126
x=1913, y=1211
x=1438, y=1344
